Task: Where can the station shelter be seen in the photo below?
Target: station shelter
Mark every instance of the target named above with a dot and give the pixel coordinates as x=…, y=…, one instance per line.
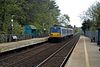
x=30, y=30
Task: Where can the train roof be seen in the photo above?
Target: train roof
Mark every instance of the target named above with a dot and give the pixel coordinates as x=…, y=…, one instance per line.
x=63, y=27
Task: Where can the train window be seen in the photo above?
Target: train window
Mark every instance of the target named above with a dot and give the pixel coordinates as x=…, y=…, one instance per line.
x=55, y=29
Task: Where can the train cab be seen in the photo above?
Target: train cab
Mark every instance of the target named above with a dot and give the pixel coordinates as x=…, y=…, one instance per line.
x=55, y=32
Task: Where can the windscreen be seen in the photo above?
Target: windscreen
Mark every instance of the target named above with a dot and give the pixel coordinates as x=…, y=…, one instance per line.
x=55, y=29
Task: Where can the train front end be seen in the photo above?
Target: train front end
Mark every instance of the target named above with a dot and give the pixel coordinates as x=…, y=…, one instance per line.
x=55, y=34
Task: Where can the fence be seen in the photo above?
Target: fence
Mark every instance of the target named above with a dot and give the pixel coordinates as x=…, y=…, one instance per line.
x=8, y=37
x=93, y=35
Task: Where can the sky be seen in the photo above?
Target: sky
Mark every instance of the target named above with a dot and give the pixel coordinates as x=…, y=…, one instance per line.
x=74, y=8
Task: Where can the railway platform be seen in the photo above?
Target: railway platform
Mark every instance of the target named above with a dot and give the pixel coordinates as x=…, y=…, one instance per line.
x=4, y=47
x=85, y=54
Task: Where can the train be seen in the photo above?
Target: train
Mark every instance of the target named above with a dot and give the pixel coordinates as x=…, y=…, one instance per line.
x=59, y=32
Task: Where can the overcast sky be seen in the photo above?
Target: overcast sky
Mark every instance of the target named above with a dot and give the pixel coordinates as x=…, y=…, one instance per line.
x=74, y=8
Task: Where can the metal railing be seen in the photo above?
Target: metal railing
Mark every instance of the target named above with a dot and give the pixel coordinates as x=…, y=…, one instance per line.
x=9, y=37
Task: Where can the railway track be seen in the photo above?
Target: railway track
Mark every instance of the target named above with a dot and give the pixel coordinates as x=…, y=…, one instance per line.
x=31, y=57
x=59, y=58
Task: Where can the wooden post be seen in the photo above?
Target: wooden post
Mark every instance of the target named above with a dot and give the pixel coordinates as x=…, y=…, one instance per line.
x=98, y=41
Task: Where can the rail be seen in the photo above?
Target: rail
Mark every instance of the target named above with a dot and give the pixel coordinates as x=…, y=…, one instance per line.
x=47, y=60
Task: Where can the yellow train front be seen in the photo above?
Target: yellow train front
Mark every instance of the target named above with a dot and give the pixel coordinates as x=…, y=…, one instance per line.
x=54, y=36
x=58, y=33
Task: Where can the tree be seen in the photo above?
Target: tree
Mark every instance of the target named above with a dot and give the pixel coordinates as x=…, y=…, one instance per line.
x=93, y=13
x=86, y=25
x=64, y=19
x=46, y=14
x=8, y=9
x=41, y=13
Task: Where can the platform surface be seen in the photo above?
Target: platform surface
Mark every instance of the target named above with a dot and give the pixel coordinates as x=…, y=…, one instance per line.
x=19, y=44
x=85, y=54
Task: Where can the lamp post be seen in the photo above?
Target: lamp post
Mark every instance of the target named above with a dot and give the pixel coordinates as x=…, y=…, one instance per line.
x=11, y=26
x=44, y=31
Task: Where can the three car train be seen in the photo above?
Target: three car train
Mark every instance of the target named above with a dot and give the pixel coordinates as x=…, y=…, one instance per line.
x=59, y=32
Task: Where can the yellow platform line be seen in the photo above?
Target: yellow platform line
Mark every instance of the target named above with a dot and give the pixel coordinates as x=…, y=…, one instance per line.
x=86, y=54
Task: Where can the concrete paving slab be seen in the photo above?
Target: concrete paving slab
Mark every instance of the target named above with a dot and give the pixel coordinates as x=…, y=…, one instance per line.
x=19, y=44
x=85, y=54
